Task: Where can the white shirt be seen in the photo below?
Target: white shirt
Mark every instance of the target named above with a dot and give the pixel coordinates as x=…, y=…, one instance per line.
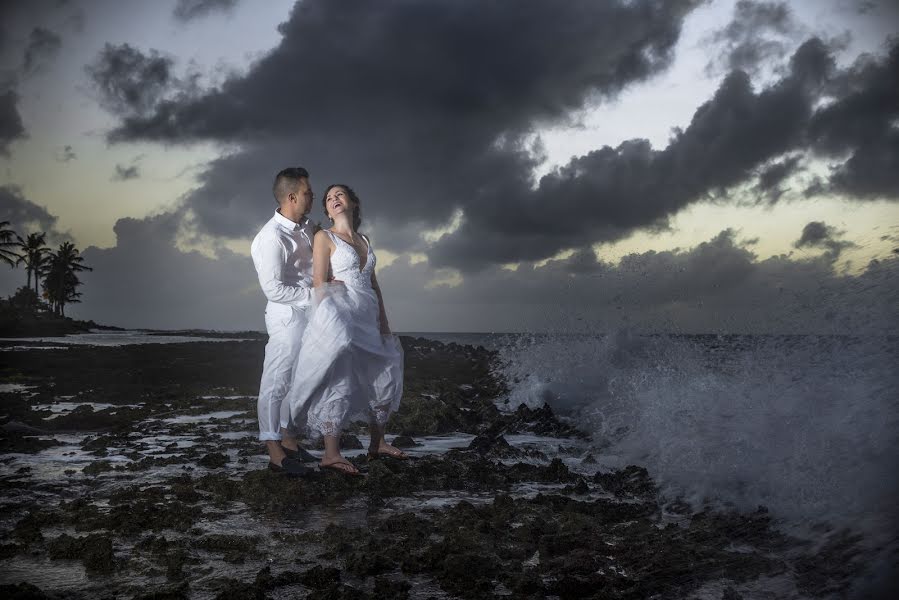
x=282, y=255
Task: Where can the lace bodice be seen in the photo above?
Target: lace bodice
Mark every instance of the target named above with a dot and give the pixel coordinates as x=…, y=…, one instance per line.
x=345, y=263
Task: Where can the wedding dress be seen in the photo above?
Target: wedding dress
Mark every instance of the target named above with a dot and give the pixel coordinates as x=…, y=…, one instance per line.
x=346, y=369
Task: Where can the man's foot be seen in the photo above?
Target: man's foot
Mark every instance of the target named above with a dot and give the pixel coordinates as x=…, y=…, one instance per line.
x=300, y=454
x=290, y=467
x=340, y=465
x=385, y=450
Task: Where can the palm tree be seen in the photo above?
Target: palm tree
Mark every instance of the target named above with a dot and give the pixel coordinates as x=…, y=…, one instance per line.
x=34, y=256
x=60, y=279
x=8, y=239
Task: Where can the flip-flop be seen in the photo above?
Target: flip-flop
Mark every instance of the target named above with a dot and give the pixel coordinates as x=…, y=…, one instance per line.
x=378, y=455
x=340, y=467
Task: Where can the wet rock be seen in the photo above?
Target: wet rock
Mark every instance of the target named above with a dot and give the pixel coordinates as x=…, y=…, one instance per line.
x=319, y=577
x=97, y=467
x=630, y=481
x=179, y=592
x=541, y=421
x=28, y=529
x=390, y=589
x=730, y=593
x=234, y=548
x=22, y=591
x=494, y=445
x=95, y=551
x=10, y=550
x=214, y=460
x=338, y=592
x=404, y=441
x=25, y=444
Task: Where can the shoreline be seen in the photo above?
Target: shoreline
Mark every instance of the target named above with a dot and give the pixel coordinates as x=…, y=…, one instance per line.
x=146, y=473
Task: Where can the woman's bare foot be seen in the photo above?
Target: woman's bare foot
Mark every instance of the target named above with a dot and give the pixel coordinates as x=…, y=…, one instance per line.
x=339, y=464
x=385, y=449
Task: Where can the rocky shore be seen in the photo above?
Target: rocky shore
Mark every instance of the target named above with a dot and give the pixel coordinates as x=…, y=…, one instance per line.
x=134, y=472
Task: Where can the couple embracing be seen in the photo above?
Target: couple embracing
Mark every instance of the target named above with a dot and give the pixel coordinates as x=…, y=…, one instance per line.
x=330, y=357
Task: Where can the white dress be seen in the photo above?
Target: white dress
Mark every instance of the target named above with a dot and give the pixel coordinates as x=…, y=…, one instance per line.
x=346, y=369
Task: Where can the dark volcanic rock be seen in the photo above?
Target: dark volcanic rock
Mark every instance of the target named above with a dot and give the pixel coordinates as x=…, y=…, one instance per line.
x=493, y=445
x=97, y=467
x=95, y=551
x=215, y=460
x=22, y=591
x=541, y=421
x=631, y=481
x=404, y=441
x=16, y=442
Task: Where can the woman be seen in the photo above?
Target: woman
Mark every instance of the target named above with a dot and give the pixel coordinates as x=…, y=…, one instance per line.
x=350, y=364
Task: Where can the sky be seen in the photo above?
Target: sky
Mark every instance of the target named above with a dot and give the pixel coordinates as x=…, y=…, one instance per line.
x=677, y=165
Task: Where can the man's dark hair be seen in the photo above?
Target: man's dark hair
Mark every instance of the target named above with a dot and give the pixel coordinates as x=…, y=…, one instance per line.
x=288, y=181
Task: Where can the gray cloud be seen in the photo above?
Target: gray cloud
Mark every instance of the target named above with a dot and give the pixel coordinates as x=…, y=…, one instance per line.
x=123, y=173
x=757, y=32
x=367, y=109
x=188, y=10
x=11, y=127
x=716, y=286
x=145, y=281
x=773, y=175
x=27, y=217
x=862, y=122
x=43, y=45
x=66, y=154
x=610, y=192
x=369, y=105
x=130, y=82
x=817, y=234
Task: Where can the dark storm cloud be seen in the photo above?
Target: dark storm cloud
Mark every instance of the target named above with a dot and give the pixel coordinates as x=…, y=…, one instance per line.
x=409, y=107
x=863, y=123
x=43, y=45
x=773, y=175
x=25, y=216
x=11, y=127
x=188, y=10
x=757, y=32
x=123, y=173
x=130, y=82
x=610, y=192
x=424, y=109
x=817, y=234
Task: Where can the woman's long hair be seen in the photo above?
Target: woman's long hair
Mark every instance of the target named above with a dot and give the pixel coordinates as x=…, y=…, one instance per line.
x=357, y=210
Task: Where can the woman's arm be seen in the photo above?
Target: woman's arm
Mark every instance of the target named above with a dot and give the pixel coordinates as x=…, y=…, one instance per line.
x=322, y=248
x=382, y=313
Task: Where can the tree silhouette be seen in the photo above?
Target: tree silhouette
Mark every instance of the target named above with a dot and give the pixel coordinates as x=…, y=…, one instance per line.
x=60, y=280
x=35, y=256
x=8, y=239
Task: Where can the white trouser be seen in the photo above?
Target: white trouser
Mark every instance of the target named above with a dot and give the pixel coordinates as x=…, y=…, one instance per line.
x=285, y=327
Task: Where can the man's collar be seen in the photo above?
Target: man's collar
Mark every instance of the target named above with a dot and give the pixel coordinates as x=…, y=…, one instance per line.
x=287, y=223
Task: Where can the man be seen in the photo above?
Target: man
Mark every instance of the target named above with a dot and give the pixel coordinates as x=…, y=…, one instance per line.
x=282, y=255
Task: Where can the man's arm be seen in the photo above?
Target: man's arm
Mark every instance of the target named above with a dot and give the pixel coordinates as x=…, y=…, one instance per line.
x=269, y=258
